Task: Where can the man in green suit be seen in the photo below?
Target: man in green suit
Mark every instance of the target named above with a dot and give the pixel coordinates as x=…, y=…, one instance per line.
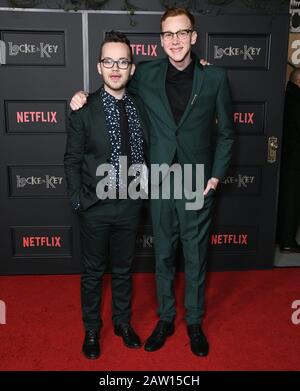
x=183, y=100
x=112, y=124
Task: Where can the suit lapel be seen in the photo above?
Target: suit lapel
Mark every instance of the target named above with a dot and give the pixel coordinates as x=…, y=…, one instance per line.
x=197, y=85
x=143, y=121
x=98, y=118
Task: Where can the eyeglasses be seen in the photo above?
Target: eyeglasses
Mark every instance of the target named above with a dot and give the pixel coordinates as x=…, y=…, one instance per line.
x=180, y=34
x=122, y=63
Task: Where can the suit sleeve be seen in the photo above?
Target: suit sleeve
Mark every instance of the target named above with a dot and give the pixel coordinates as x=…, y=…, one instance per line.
x=226, y=136
x=133, y=86
x=74, y=155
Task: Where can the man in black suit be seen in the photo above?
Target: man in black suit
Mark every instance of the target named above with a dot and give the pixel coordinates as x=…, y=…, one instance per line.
x=289, y=206
x=110, y=125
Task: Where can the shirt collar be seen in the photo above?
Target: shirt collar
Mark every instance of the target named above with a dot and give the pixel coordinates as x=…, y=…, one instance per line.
x=188, y=71
x=111, y=98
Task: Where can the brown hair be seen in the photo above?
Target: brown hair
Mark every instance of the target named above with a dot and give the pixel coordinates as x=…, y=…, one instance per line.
x=116, y=36
x=175, y=12
x=295, y=75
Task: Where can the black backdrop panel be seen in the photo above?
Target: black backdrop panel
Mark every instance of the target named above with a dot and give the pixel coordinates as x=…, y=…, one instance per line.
x=27, y=116
x=44, y=65
x=39, y=229
x=35, y=48
x=253, y=50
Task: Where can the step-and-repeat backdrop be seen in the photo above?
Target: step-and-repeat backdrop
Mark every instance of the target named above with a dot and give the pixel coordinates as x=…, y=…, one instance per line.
x=46, y=56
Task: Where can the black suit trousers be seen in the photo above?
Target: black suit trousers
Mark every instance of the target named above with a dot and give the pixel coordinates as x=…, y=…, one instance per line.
x=289, y=206
x=108, y=230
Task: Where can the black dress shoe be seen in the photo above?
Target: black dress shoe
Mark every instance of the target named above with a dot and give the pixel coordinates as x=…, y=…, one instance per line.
x=157, y=339
x=130, y=338
x=90, y=347
x=295, y=248
x=198, y=341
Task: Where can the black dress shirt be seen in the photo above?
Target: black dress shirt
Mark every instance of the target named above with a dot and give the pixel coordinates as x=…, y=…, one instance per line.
x=179, y=88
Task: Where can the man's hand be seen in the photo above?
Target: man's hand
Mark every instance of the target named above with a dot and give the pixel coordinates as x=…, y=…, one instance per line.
x=78, y=100
x=204, y=62
x=211, y=184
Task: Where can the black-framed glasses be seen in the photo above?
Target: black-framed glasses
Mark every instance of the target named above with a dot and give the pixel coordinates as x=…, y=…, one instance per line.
x=122, y=63
x=180, y=34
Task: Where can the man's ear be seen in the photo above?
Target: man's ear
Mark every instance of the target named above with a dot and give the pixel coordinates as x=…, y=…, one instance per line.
x=194, y=37
x=99, y=68
x=132, y=70
x=161, y=42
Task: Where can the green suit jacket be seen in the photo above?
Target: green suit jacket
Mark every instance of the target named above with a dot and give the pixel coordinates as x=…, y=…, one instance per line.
x=192, y=137
x=88, y=145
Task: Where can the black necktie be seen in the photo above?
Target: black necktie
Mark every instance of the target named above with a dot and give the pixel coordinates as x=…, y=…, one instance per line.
x=124, y=131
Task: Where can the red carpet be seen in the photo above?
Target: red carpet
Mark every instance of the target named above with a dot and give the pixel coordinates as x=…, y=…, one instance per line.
x=248, y=324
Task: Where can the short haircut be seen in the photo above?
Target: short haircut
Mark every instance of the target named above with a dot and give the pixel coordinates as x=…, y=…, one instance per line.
x=295, y=75
x=115, y=36
x=175, y=12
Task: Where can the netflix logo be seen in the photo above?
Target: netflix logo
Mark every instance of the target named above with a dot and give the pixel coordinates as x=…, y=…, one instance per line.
x=249, y=117
x=41, y=241
x=149, y=50
x=233, y=239
x=35, y=116
x=243, y=118
x=145, y=46
x=240, y=239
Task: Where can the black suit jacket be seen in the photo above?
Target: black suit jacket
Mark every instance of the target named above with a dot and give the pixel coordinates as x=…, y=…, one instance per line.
x=88, y=145
x=291, y=131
